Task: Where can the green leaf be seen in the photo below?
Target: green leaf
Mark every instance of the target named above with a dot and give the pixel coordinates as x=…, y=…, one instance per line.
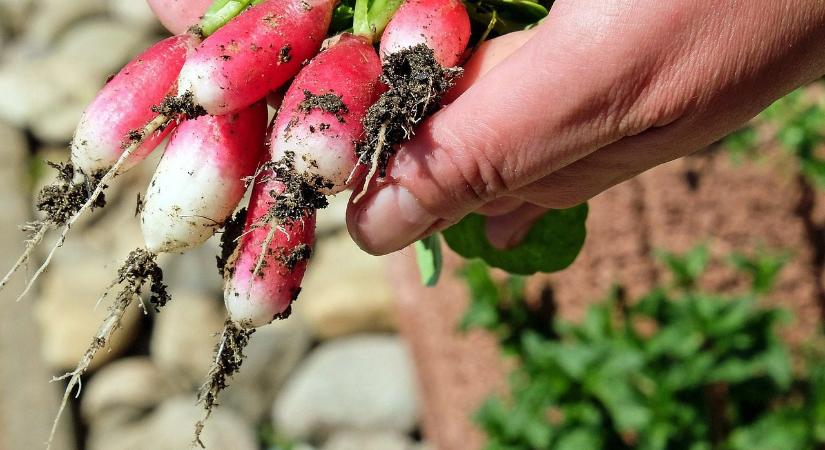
x=580, y=439
x=372, y=16
x=763, y=268
x=220, y=13
x=484, y=298
x=551, y=245
x=686, y=268
x=342, y=18
x=430, y=260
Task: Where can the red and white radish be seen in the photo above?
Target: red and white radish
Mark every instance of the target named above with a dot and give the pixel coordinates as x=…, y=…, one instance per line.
x=201, y=178
x=419, y=47
x=320, y=119
x=125, y=104
x=442, y=25
x=265, y=272
x=178, y=15
x=255, y=53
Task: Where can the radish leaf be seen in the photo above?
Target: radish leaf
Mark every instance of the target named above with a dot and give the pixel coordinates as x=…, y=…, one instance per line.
x=428, y=252
x=551, y=245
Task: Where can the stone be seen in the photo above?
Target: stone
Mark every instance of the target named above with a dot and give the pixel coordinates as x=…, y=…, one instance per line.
x=123, y=391
x=171, y=427
x=58, y=126
x=184, y=339
x=333, y=218
x=345, y=291
x=28, y=91
x=361, y=382
x=13, y=14
x=137, y=14
x=360, y=440
x=102, y=44
x=271, y=357
x=68, y=312
x=52, y=18
x=195, y=270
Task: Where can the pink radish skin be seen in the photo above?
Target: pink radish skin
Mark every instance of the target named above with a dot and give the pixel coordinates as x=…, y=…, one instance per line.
x=200, y=179
x=178, y=15
x=323, y=144
x=443, y=25
x=125, y=104
x=255, y=53
x=256, y=299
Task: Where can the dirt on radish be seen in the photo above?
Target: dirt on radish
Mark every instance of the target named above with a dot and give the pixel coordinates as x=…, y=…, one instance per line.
x=417, y=83
x=61, y=200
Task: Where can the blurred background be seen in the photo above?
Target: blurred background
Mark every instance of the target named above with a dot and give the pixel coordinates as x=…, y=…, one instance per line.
x=692, y=319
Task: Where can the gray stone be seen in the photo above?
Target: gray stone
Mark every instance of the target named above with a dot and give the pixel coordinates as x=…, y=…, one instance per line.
x=195, y=270
x=137, y=14
x=333, y=218
x=13, y=13
x=362, y=440
x=51, y=18
x=171, y=427
x=362, y=382
x=183, y=340
x=58, y=126
x=68, y=312
x=271, y=357
x=28, y=91
x=123, y=391
x=345, y=290
x=101, y=44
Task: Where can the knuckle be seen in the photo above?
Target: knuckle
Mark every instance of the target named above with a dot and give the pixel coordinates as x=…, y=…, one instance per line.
x=476, y=163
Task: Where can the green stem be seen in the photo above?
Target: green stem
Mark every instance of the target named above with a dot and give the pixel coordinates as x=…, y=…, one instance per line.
x=220, y=13
x=372, y=16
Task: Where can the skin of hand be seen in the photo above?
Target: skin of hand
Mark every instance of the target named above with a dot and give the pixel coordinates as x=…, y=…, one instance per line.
x=601, y=91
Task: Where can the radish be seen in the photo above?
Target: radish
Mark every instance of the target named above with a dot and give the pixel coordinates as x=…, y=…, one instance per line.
x=118, y=129
x=419, y=47
x=320, y=118
x=178, y=15
x=265, y=272
x=441, y=25
x=255, y=53
x=200, y=178
x=199, y=181
x=126, y=104
x=263, y=284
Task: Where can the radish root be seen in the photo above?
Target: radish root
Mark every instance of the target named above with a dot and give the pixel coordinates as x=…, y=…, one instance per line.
x=39, y=232
x=156, y=124
x=228, y=359
x=140, y=267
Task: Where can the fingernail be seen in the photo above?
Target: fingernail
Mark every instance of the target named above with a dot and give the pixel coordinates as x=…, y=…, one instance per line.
x=389, y=220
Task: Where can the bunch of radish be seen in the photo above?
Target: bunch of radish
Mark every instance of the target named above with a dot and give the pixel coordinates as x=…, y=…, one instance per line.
x=340, y=118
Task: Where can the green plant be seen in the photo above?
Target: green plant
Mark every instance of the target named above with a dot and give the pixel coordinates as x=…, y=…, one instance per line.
x=798, y=124
x=677, y=369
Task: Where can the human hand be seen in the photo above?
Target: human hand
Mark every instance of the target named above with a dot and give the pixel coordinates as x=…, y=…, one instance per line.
x=600, y=92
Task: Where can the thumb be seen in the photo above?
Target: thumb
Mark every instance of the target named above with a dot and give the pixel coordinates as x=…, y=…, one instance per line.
x=535, y=109
x=392, y=204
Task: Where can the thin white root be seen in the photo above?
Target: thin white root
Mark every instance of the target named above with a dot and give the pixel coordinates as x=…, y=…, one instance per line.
x=100, y=341
x=31, y=245
x=270, y=235
x=154, y=125
x=228, y=359
x=376, y=154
